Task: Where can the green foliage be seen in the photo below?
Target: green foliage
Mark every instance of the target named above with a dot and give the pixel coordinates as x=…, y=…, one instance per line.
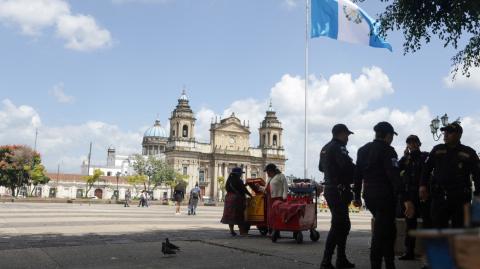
x=450, y=21
x=156, y=171
x=20, y=166
x=38, y=177
x=91, y=180
x=136, y=181
x=221, y=183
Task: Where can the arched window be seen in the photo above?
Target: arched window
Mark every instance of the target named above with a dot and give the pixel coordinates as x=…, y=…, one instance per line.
x=185, y=131
x=274, y=140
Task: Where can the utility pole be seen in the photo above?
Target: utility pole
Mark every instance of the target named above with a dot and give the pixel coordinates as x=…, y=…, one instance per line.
x=89, y=159
x=36, y=136
x=88, y=170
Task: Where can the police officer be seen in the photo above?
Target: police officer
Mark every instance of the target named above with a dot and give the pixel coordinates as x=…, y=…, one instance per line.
x=378, y=169
x=339, y=169
x=448, y=172
x=411, y=165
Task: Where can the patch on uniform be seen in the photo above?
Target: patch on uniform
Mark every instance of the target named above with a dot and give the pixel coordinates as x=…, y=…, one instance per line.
x=395, y=162
x=441, y=151
x=464, y=155
x=428, y=158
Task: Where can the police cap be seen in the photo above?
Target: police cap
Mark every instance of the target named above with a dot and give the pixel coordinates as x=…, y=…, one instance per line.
x=453, y=127
x=385, y=128
x=340, y=128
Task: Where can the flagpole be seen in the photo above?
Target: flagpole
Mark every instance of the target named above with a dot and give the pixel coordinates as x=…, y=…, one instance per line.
x=307, y=9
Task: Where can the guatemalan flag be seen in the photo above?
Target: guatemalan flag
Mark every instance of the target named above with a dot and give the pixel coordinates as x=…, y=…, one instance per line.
x=343, y=20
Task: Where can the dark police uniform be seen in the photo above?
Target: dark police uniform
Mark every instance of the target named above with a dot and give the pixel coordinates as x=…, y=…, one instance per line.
x=339, y=169
x=411, y=166
x=377, y=167
x=447, y=172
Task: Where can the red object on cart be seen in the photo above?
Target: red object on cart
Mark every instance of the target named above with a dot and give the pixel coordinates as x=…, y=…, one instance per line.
x=297, y=214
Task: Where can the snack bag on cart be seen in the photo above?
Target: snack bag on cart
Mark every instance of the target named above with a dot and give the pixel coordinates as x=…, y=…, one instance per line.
x=256, y=208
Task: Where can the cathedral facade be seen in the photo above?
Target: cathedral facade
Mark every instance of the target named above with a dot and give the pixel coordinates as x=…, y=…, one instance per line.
x=204, y=163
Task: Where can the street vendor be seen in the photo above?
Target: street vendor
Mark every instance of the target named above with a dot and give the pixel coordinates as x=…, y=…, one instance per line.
x=276, y=188
x=235, y=202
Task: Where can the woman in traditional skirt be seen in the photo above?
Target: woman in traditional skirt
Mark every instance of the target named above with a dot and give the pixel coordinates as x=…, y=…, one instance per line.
x=235, y=202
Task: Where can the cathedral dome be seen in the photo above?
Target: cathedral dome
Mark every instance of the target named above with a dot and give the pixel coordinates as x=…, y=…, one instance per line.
x=156, y=131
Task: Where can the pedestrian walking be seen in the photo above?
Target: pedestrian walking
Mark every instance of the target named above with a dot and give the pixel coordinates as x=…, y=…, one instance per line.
x=378, y=170
x=235, y=202
x=142, y=199
x=338, y=169
x=411, y=166
x=128, y=195
x=193, y=200
x=448, y=172
x=178, y=196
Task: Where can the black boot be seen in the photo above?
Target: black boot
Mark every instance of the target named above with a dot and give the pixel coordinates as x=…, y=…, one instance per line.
x=344, y=263
x=408, y=256
x=326, y=265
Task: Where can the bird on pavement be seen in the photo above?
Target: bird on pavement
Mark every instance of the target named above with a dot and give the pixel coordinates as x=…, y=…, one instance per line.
x=166, y=250
x=170, y=245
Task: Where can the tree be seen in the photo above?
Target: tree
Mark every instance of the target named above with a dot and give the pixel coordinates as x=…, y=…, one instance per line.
x=156, y=171
x=136, y=180
x=17, y=165
x=90, y=180
x=446, y=19
x=38, y=177
x=221, y=185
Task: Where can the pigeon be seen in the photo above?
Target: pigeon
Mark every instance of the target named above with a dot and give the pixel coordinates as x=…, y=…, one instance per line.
x=170, y=245
x=166, y=250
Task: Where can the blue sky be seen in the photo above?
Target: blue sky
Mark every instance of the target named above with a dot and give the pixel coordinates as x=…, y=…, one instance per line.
x=228, y=54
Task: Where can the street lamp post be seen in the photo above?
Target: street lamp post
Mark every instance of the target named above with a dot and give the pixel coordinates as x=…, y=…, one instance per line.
x=118, y=194
x=435, y=126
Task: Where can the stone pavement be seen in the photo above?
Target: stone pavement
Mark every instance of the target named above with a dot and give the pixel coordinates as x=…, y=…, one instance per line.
x=111, y=236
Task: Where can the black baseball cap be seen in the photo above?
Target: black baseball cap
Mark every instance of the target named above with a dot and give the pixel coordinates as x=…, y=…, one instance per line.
x=384, y=127
x=270, y=167
x=453, y=127
x=340, y=128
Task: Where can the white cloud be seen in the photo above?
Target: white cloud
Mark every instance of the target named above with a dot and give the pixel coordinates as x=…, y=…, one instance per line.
x=82, y=33
x=66, y=145
x=291, y=3
x=33, y=17
x=340, y=98
x=461, y=81
x=58, y=92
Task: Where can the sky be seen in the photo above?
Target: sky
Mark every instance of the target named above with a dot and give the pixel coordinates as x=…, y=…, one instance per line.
x=104, y=70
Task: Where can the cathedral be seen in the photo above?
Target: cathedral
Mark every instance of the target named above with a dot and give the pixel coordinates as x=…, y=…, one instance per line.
x=204, y=163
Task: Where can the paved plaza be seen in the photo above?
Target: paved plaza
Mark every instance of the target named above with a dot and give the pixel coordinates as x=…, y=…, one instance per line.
x=111, y=236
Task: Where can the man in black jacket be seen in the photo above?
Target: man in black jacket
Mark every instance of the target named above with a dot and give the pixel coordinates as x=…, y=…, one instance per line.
x=338, y=169
x=448, y=172
x=411, y=165
x=378, y=169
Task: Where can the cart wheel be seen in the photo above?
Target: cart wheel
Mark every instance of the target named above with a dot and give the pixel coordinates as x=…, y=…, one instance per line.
x=263, y=230
x=299, y=238
x=274, y=236
x=314, y=235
